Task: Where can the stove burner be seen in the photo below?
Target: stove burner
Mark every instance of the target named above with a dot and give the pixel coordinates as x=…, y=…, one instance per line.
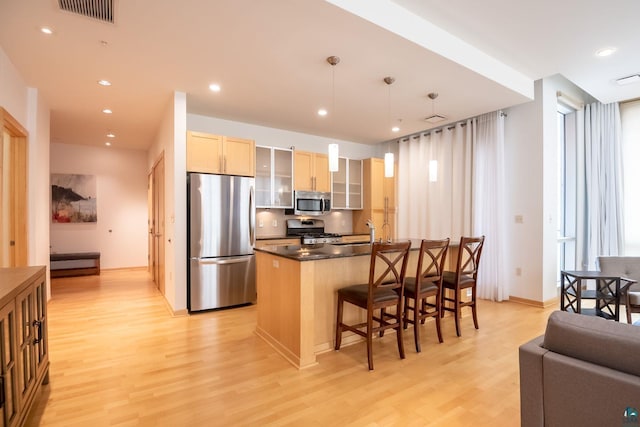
x=311, y=231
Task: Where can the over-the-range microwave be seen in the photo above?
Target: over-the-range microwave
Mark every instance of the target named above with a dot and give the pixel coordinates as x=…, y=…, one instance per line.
x=310, y=203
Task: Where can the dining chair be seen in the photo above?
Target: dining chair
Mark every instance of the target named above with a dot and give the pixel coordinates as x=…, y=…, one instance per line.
x=387, y=268
x=427, y=284
x=465, y=277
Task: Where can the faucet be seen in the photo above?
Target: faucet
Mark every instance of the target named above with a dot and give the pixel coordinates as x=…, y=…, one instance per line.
x=372, y=231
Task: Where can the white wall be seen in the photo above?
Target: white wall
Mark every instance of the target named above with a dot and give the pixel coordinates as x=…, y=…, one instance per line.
x=532, y=187
x=120, y=234
x=170, y=142
x=523, y=159
x=28, y=107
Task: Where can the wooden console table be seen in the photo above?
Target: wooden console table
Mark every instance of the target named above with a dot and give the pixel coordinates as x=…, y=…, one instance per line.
x=607, y=293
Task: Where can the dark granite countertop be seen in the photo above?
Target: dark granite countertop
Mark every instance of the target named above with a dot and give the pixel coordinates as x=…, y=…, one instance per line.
x=293, y=237
x=325, y=250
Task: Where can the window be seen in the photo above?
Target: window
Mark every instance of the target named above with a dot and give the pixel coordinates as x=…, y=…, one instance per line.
x=567, y=191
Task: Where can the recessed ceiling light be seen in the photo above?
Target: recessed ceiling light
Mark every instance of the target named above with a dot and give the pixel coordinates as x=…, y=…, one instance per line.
x=108, y=144
x=214, y=87
x=107, y=111
x=322, y=112
x=111, y=135
x=395, y=129
x=605, y=51
x=46, y=30
x=104, y=82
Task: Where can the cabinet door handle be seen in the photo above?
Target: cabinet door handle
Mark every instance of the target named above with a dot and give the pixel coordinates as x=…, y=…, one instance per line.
x=225, y=164
x=38, y=325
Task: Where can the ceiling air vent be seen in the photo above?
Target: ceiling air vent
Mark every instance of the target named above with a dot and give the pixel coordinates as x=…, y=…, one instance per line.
x=101, y=10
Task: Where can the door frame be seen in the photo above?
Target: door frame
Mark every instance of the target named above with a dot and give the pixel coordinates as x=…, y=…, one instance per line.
x=16, y=216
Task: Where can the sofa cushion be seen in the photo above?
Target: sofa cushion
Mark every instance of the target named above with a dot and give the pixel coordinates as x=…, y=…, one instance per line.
x=593, y=339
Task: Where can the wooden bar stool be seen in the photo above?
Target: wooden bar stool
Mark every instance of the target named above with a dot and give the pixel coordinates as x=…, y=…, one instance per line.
x=426, y=284
x=465, y=277
x=384, y=289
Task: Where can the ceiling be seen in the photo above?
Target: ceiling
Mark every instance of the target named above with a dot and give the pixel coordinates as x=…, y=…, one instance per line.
x=269, y=58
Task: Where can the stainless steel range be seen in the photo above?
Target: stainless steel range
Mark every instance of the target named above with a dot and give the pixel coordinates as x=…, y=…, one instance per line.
x=311, y=231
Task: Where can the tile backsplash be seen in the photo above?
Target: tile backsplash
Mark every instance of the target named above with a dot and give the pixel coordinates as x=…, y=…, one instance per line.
x=272, y=222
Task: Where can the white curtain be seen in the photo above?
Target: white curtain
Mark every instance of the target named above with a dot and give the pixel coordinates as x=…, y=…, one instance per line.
x=466, y=199
x=600, y=200
x=489, y=216
x=440, y=208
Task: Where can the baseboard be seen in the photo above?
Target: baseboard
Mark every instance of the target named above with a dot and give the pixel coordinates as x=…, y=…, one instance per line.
x=533, y=303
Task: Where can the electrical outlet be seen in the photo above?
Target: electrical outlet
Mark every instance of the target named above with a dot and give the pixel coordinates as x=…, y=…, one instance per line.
x=274, y=223
x=260, y=224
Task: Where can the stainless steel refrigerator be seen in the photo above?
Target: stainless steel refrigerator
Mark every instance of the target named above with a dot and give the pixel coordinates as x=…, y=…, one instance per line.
x=221, y=232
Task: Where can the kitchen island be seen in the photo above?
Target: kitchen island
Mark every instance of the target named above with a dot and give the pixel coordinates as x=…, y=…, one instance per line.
x=297, y=297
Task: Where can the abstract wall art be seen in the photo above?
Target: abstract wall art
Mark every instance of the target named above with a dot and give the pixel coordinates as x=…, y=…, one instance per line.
x=73, y=198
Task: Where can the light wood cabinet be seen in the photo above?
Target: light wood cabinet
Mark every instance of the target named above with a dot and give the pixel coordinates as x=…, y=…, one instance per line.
x=355, y=238
x=346, y=187
x=311, y=172
x=274, y=177
x=277, y=242
x=379, y=201
x=24, y=342
x=207, y=153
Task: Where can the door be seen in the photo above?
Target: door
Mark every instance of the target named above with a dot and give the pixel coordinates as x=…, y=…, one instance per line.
x=221, y=215
x=204, y=152
x=303, y=171
x=25, y=335
x=239, y=156
x=221, y=282
x=156, y=234
x=8, y=367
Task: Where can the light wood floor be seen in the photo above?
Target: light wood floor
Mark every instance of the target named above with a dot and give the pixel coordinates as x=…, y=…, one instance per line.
x=119, y=359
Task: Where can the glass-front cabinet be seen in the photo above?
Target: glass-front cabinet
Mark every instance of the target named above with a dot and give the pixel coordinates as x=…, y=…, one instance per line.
x=274, y=177
x=347, y=185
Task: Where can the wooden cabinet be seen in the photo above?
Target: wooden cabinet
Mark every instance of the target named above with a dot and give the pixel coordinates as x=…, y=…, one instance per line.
x=346, y=187
x=274, y=177
x=311, y=172
x=226, y=155
x=24, y=342
x=285, y=241
x=355, y=238
x=379, y=201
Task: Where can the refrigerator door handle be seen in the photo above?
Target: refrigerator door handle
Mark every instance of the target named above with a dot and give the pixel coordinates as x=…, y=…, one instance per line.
x=252, y=217
x=222, y=261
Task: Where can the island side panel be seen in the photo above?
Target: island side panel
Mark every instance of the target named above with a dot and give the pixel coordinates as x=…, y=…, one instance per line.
x=285, y=307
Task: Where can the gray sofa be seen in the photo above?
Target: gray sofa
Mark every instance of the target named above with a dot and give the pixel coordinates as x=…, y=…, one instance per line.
x=628, y=267
x=584, y=371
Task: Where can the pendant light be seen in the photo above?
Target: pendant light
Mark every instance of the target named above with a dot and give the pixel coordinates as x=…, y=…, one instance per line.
x=434, y=118
x=333, y=148
x=388, y=157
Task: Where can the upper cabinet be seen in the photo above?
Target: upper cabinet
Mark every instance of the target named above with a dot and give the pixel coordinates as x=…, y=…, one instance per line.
x=379, y=201
x=347, y=185
x=274, y=177
x=227, y=155
x=311, y=172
